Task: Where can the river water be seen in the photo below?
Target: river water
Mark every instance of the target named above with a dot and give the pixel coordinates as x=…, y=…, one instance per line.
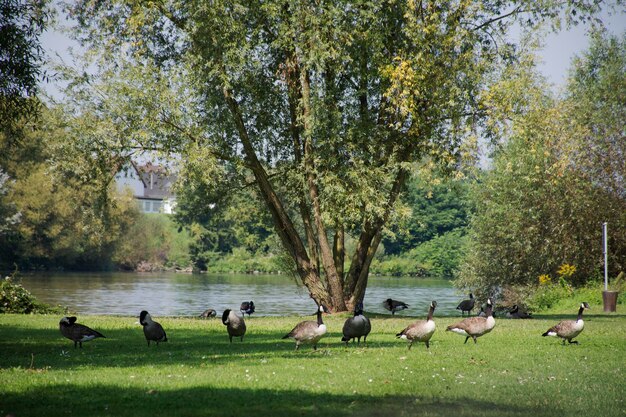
x=175, y=294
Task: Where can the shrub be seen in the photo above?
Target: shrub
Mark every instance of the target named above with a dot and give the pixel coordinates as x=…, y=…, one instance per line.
x=153, y=240
x=14, y=298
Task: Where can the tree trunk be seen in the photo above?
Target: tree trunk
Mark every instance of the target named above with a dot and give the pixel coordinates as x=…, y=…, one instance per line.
x=356, y=281
x=283, y=225
x=328, y=261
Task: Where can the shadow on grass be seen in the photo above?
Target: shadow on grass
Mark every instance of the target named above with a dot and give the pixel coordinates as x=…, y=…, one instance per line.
x=40, y=348
x=99, y=400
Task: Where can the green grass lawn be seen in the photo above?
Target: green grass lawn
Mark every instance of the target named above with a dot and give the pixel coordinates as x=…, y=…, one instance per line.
x=511, y=371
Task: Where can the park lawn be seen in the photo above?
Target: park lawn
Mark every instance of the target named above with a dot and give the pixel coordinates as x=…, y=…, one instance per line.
x=511, y=371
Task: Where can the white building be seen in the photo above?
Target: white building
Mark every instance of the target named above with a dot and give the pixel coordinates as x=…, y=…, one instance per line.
x=151, y=186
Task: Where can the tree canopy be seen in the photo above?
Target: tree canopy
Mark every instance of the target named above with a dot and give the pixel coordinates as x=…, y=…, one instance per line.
x=556, y=179
x=323, y=106
x=21, y=55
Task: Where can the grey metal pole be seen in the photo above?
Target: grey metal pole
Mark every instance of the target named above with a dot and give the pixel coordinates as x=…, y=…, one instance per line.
x=605, y=249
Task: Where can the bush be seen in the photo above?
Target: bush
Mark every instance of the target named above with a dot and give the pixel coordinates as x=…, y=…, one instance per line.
x=240, y=261
x=559, y=297
x=438, y=257
x=155, y=241
x=396, y=266
x=14, y=298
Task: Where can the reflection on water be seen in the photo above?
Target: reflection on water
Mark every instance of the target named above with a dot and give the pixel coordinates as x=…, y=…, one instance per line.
x=172, y=294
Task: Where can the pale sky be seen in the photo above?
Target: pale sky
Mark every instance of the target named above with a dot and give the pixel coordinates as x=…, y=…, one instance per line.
x=559, y=49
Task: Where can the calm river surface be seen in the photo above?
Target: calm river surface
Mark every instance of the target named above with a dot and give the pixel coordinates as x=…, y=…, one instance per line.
x=174, y=294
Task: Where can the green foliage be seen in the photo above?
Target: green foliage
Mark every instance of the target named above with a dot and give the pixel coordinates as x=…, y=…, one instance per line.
x=21, y=24
x=155, y=241
x=398, y=265
x=437, y=206
x=16, y=299
x=239, y=261
x=439, y=257
x=59, y=220
x=546, y=297
x=542, y=206
x=323, y=107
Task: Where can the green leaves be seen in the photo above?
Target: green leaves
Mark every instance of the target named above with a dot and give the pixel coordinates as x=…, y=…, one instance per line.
x=555, y=180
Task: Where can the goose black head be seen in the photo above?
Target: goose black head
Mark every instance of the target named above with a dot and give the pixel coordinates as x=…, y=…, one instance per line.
x=67, y=321
x=321, y=309
x=143, y=317
x=225, y=316
x=471, y=296
x=584, y=305
x=433, y=304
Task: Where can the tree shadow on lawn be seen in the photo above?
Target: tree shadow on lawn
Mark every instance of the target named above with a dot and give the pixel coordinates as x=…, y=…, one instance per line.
x=105, y=400
x=39, y=348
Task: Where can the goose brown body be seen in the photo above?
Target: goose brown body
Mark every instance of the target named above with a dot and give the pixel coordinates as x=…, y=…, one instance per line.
x=309, y=332
x=152, y=330
x=475, y=327
x=247, y=307
x=208, y=313
x=421, y=330
x=569, y=329
x=76, y=332
x=235, y=325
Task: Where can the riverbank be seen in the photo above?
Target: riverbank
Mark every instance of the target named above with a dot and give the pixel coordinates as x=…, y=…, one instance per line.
x=509, y=372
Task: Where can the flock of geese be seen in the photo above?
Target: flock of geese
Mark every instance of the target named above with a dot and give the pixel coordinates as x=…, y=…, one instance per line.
x=356, y=327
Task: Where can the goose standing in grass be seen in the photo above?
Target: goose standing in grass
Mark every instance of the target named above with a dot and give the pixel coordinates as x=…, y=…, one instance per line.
x=475, y=327
x=467, y=305
x=235, y=325
x=247, y=307
x=357, y=326
x=394, y=305
x=76, y=332
x=569, y=329
x=152, y=329
x=420, y=331
x=309, y=332
x=208, y=313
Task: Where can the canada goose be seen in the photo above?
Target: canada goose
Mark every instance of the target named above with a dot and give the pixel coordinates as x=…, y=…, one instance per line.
x=483, y=313
x=309, y=331
x=234, y=324
x=151, y=329
x=247, y=307
x=516, y=313
x=466, y=305
x=569, y=329
x=420, y=331
x=394, y=305
x=77, y=332
x=208, y=313
x=475, y=327
x=357, y=326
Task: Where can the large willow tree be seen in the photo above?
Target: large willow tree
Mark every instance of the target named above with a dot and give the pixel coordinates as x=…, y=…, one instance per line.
x=323, y=105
